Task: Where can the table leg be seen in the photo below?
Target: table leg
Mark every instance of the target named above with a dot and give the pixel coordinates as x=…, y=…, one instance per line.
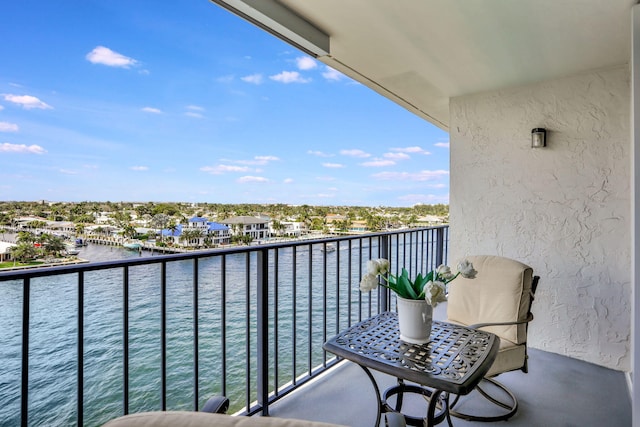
x=431, y=420
x=378, y=398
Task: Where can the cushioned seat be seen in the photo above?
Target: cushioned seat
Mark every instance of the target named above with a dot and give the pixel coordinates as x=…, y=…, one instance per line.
x=497, y=300
x=204, y=419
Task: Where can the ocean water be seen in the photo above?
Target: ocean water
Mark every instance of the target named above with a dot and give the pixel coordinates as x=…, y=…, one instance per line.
x=318, y=305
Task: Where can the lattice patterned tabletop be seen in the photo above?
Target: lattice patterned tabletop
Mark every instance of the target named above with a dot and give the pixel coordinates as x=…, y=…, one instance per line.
x=454, y=360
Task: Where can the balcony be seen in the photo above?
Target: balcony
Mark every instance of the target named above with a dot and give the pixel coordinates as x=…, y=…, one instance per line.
x=83, y=344
x=110, y=338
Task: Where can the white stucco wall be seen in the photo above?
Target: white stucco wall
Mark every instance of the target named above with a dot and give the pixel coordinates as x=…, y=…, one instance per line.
x=564, y=209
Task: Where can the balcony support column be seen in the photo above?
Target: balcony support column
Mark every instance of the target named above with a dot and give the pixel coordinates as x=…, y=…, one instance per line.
x=635, y=214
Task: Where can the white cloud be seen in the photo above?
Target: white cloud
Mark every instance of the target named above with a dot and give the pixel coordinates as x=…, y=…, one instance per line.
x=225, y=79
x=152, y=110
x=333, y=165
x=105, y=56
x=192, y=114
x=288, y=180
x=378, y=163
x=8, y=127
x=255, y=79
x=306, y=63
x=411, y=176
x=325, y=178
x=331, y=74
x=289, y=77
x=248, y=178
x=257, y=160
x=1, y=108
x=266, y=158
x=139, y=168
x=194, y=108
x=442, y=144
x=396, y=156
x=413, y=150
x=21, y=148
x=68, y=172
x=220, y=169
x=27, y=101
x=319, y=153
x=355, y=153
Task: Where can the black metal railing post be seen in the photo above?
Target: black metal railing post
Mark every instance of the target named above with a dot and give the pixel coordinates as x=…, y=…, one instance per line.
x=163, y=336
x=385, y=300
x=80, y=355
x=125, y=340
x=24, y=392
x=196, y=342
x=262, y=259
x=439, y=245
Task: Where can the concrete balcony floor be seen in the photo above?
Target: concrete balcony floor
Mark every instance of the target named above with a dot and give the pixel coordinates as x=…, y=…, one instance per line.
x=557, y=391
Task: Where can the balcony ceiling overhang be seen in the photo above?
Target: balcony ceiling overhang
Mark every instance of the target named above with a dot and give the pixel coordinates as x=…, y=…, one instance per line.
x=422, y=53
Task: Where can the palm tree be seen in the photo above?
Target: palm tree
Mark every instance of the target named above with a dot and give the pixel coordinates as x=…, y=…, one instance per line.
x=23, y=252
x=189, y=235
x=129, y=231
x=51, y=245
x=26, y=237
x=160, y=221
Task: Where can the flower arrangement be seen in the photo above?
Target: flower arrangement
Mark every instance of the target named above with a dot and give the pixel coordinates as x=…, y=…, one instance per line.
x=432, y=287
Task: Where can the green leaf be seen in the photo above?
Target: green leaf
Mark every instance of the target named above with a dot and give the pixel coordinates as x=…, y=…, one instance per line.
x=419, y=283
x=406, y=286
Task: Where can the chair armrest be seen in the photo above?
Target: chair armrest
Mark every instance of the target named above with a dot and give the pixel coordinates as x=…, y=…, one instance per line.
x=519, y=322
x=394, y=419
x=216, y=405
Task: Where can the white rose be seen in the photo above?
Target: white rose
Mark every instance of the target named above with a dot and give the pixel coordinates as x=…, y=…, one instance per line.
x=444, y=272
x=466, y=269
x=435, y=292
x=368, y=283
x=378, y=266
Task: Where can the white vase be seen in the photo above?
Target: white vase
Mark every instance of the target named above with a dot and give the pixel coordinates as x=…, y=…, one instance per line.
x=414, y=319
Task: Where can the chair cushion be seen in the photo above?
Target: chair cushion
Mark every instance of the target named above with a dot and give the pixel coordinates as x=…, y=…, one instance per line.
x=500, y=292
x=510, y=357
x=204, y=419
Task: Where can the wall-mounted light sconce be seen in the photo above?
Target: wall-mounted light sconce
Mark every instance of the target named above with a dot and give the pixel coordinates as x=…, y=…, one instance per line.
x=538, y=138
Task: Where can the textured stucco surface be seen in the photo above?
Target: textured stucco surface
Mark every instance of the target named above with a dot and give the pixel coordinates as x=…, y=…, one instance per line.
x=564, y=209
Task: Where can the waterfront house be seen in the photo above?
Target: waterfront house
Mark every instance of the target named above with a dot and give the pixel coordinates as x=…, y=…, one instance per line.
x=287, y=228
x=5, y=251
x=198, y=232
x=490, y=73
x=256, y=228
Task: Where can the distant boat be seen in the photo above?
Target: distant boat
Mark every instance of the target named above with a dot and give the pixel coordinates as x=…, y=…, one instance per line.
x=329, y=247
x=79, y=243
x=71, y=250
x=134, y=246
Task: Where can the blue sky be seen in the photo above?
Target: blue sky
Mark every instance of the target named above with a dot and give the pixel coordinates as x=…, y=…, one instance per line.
x=182, y=101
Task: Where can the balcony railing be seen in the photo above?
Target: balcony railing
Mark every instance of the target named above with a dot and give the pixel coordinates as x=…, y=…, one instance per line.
x=86, y=343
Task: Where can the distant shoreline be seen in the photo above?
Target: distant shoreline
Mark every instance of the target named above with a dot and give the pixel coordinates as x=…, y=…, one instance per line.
x=48, y=263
